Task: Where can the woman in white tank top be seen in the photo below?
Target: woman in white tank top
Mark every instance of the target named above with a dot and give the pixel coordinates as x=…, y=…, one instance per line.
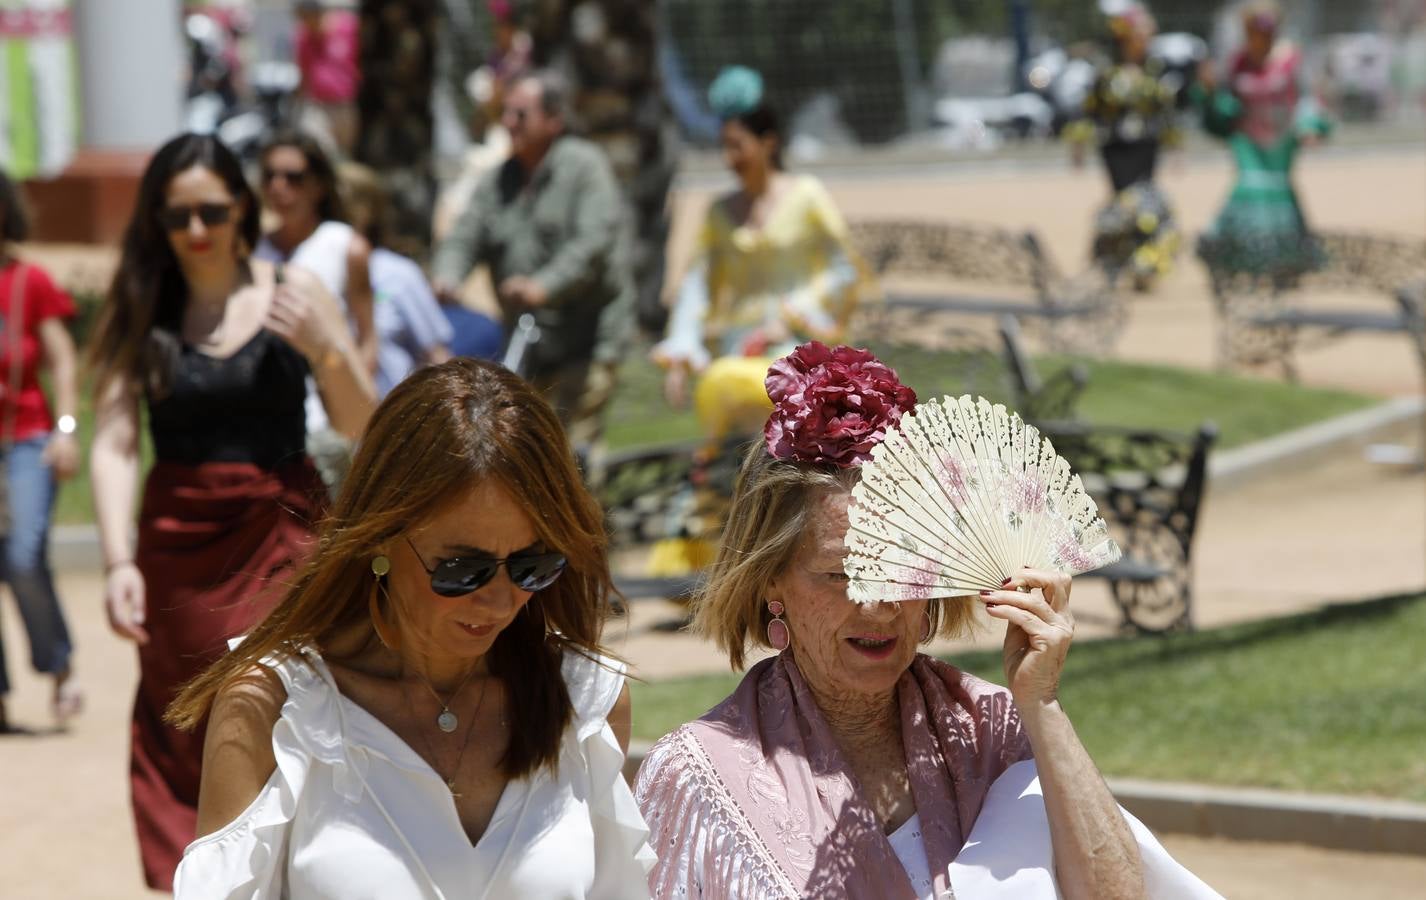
x=299, y=188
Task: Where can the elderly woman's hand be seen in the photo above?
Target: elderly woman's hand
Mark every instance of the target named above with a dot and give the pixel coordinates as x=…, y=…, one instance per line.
x=1038, y=635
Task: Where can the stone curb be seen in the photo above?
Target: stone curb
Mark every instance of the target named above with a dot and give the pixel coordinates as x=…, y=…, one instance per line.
x=1304, y=446
x=1254, y=814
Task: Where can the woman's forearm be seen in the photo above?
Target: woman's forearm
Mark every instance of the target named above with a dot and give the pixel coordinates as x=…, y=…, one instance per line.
x=1096, y=855
x=63, y=371
x=114, y=475
x=346, y=388
x=114, y=469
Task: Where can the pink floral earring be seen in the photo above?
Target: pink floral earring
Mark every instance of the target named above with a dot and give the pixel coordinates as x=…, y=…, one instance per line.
x=778, y=636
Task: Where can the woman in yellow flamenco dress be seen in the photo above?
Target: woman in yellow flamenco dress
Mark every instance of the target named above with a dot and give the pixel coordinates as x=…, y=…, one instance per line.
x=773, y=268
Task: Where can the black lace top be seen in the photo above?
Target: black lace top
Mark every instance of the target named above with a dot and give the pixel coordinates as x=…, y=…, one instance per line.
x=248, y=407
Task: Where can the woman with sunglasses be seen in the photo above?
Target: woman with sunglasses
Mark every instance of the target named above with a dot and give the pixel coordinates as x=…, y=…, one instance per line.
x=302, y=198
x=219, y=348
x=429, y=711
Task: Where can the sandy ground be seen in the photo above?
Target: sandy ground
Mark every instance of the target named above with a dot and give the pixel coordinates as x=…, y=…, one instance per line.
x=1339, y=530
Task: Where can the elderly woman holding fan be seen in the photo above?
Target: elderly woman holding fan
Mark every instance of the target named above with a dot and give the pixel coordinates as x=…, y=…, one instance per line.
x=849, y=764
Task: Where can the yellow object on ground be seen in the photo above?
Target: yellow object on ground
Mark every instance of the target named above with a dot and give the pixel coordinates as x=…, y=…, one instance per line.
x=731, y=397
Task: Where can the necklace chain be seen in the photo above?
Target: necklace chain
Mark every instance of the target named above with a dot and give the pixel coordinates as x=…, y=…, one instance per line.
x=465, y=741
x=446, y=707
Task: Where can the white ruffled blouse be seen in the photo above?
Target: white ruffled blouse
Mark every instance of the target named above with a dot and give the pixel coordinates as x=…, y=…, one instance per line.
x=352, y=812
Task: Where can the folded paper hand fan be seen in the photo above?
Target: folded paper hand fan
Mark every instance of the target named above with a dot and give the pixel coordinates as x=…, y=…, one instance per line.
x=960, y=496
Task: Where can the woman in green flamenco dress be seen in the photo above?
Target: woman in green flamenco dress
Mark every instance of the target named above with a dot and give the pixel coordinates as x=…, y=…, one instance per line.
x=1262, y=114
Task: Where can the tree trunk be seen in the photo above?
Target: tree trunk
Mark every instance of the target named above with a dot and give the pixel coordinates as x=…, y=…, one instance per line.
x=607, y=49
x=398, y=52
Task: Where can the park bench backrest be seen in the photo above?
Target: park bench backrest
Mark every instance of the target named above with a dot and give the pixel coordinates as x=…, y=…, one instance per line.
x=978, y=253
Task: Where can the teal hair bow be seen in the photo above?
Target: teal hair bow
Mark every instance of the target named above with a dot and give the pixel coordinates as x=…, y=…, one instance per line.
x=736, y=91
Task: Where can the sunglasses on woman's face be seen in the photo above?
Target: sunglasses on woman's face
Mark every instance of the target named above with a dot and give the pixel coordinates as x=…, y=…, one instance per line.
x=294, y=177
x=177, y=218
x=463, y=575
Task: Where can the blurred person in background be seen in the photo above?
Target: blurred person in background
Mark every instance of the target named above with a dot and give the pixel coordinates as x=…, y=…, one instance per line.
x=773, y=267
x=1260, y=108
x=411, y=329
x=218, y=346
x=550, y=224
x=327, y=49
x=301, y=195
x=39, y=450
x=1130, y=114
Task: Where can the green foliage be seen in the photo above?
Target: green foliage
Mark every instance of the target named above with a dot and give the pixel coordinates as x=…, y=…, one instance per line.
x=1326, y=701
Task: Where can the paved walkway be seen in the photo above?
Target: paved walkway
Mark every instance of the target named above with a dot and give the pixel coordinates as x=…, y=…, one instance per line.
x=1294, y=540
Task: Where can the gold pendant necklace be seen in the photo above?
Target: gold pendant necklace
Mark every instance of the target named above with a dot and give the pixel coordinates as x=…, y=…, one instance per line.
x=448, y=721
x=455, y=723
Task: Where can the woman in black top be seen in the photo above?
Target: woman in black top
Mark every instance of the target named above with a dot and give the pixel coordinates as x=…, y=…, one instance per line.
x=219, y=347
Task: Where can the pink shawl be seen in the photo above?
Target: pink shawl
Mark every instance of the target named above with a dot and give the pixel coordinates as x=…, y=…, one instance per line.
x=795, y=800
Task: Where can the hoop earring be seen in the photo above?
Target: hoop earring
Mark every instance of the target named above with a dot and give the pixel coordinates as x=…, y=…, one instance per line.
x=388, y=636
x=778, y=637
x=926, y=631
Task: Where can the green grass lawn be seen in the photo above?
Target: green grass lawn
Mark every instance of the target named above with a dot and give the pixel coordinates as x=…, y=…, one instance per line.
x=1332, y=701
x=1119, y=393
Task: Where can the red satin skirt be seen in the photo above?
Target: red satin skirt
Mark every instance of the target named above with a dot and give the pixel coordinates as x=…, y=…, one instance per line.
x=218, y=543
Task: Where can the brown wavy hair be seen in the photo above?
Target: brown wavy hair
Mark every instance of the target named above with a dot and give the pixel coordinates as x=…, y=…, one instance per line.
x=443, y=430
x=136, y=335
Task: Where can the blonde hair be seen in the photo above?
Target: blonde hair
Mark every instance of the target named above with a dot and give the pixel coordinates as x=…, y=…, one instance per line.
x=771, y=509
x=366, y=198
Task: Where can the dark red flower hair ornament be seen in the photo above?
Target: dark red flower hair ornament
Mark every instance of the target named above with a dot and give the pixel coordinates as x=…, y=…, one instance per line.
x=832, y=405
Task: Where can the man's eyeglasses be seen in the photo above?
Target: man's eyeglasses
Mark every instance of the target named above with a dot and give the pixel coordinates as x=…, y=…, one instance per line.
x=463, y=575
x=177, y=218
x=294, y=177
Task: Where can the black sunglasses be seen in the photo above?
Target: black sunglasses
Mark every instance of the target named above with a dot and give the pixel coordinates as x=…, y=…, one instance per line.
x=463, y=575
x=294, y=177
x=176, y=218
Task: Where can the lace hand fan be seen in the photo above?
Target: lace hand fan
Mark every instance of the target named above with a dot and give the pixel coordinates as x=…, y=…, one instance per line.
x=960, y=496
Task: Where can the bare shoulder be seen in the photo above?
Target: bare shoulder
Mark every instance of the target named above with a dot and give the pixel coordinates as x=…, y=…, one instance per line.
x=238, y=758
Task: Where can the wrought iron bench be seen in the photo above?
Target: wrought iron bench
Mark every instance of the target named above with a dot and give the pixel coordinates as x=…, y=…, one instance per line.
x=1264, y=318
x=1149, y=485
x=1082, y=314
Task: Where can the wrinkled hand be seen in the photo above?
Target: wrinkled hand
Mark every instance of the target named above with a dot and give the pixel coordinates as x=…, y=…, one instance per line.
x=308, y=318
x=61, y=454
x=523, y=291
x=124, y=602
x=1038, y=633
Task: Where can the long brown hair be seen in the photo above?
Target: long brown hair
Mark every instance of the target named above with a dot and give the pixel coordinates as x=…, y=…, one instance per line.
x=136, y=336
x=443, y=430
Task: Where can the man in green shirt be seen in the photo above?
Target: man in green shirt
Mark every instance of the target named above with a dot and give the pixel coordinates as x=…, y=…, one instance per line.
x=550, y=223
